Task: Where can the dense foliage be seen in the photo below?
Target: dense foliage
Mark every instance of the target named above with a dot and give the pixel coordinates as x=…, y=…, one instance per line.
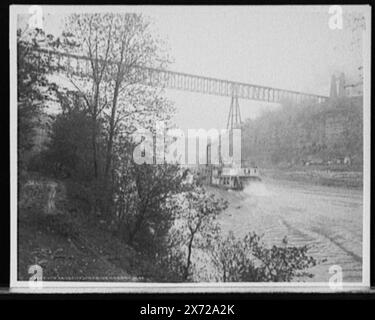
x=34, y=89
x=249, y=260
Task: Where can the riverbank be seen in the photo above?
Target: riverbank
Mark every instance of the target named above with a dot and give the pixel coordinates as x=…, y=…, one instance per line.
x=318, y=176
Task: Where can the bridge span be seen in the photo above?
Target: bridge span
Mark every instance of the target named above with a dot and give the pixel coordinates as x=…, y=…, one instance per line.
x=80, y=65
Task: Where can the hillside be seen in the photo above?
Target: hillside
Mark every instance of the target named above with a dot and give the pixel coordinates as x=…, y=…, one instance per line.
x=68, y=244
x=310, y=134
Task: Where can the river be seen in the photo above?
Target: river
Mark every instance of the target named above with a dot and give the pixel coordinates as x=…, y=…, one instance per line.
x=327, y=219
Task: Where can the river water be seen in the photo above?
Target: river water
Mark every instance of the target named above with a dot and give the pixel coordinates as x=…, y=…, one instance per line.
x=327, y=219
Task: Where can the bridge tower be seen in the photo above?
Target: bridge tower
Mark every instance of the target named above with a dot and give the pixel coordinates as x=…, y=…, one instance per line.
x=234, y=117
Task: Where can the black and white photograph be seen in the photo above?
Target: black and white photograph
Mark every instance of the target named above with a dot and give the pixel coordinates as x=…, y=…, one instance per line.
x=190, y=148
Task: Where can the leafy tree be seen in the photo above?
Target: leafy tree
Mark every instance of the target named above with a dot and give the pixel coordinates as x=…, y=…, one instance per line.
x=153, y=184
x=33, y=88
x=195, y=225
x=248, y=259
x=69, y=148
x=118, y=46
x=90, y=35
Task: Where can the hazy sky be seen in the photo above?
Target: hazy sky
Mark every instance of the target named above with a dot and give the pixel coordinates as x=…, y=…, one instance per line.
x=281, y=46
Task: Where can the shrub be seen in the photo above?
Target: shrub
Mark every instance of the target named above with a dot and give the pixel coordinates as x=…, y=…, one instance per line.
x=249, y=260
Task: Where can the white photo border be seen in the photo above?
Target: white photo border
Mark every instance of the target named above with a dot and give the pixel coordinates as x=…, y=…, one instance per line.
x=138, y=287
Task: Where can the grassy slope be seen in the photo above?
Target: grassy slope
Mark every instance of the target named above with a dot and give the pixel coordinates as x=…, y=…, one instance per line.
x=74, y=247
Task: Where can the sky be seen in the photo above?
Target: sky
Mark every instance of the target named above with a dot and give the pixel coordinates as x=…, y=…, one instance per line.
x=289, y=47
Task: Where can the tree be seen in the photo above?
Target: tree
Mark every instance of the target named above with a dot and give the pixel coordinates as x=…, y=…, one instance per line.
x=90, y=34
x=154, y=184
x=195, y=225
x=69, y=149
x=33, y=87
x=133, y=47
x=118, y=46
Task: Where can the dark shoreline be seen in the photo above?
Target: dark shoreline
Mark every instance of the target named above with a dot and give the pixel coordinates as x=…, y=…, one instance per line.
x=324, y=177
